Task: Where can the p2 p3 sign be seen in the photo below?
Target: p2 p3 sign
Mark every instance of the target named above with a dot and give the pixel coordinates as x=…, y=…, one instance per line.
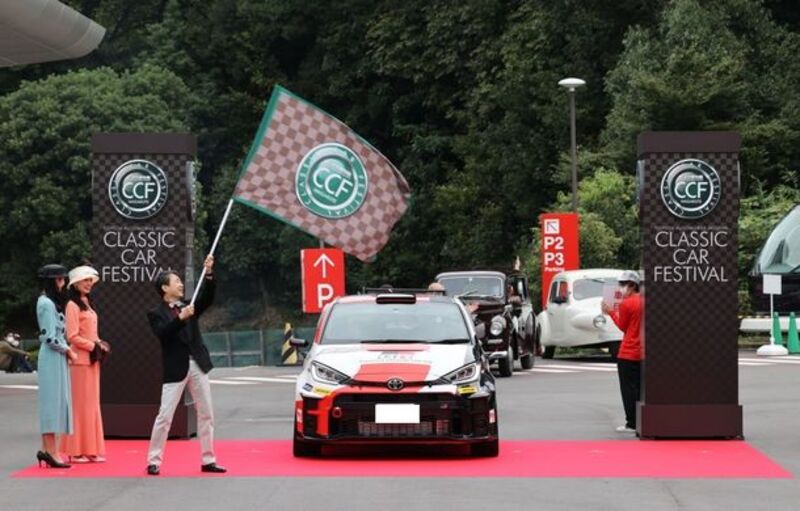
x=560, y=247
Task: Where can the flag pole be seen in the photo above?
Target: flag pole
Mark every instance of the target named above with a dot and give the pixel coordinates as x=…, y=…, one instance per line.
x=213, y=248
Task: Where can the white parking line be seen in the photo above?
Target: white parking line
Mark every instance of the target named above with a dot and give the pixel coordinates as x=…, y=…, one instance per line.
x=227, y=382
x=754, y=363
x=545, y=370
x=261, y=379
x=23, y=387
x=772, y=360
x=581, y=367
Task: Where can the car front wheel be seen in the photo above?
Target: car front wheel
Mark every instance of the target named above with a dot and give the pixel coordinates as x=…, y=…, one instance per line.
x=506, y=365
x=303, y=449
x=486, y=449
x=527, y=361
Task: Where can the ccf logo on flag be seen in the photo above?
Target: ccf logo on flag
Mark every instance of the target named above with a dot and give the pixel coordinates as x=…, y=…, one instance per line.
x=310, y=170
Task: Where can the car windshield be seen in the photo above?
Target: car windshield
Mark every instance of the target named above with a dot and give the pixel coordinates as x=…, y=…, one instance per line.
x=781, y=252
x=430, y=322
x=592, y=288
x=473, y=286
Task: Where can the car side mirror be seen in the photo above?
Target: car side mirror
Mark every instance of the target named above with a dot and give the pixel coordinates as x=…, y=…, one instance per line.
x=298, y=343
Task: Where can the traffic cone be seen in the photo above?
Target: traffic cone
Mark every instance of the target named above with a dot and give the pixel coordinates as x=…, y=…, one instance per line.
x=288, y=353
x=777, y=335
x=792, y=341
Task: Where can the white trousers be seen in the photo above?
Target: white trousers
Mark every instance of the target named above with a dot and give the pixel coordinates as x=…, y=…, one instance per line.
x=200, y=390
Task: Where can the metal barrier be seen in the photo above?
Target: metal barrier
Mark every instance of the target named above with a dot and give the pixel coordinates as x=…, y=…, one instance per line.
x=249, y=347
x=236, y=348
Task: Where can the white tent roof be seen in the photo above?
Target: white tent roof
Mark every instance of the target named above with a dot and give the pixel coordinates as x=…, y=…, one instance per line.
x=34, y=31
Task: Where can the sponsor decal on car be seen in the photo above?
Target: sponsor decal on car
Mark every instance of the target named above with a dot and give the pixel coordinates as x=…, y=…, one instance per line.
x=467, y=389
x=322, y=391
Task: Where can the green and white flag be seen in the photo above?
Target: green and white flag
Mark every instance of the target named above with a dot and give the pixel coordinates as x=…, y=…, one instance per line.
x=309, y=169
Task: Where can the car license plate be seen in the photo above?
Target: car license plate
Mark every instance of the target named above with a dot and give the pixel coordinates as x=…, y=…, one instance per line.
x=396, y=414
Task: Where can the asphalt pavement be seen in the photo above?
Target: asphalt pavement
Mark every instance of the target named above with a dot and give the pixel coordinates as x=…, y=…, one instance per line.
x=561, y=399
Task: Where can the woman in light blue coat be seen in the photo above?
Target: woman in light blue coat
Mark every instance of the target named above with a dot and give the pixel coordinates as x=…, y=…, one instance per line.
x=55, y=406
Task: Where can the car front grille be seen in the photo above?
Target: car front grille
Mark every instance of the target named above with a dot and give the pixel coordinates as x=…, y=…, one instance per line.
x=441, y=415
x=433, y=428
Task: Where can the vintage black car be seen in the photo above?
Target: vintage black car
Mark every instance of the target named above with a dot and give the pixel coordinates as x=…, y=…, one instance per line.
x=502, y=304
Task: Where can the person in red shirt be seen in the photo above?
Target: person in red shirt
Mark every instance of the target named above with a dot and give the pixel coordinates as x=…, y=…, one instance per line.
x=628, y=318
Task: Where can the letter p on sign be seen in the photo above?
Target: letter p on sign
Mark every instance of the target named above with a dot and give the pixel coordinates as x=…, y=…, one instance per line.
x=323, y=277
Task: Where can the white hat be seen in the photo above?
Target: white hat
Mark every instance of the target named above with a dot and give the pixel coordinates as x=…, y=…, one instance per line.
x=80, y=273
x=629, y=276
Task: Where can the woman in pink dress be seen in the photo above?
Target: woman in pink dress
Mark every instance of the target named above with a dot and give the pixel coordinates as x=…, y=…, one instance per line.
x=86, y=444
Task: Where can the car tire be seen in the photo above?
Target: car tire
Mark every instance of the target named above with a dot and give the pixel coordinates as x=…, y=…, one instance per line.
x=488, y=449
x=549, y=352
x=302, y=449
x=506, y=365
x=527, y=361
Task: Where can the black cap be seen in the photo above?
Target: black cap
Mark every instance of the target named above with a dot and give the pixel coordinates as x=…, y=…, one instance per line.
x=51, y=271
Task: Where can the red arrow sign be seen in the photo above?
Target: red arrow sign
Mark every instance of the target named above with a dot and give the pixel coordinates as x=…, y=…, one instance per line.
x=323, y=277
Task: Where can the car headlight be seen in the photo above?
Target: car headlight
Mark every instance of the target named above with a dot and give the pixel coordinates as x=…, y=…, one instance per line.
x=497, y=326
x=599, y=321
x=463, y=374
x=325, y=374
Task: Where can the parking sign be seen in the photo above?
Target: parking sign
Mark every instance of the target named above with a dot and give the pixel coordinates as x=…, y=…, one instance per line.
x=323, y=277
x=560, y=247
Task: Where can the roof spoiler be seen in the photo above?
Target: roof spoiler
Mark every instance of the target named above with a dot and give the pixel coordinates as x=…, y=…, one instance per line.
x=396, y=298
x=400, y=290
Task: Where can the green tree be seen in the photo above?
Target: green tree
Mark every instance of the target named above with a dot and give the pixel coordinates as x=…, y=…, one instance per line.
x=723, y=65
x=45, y=134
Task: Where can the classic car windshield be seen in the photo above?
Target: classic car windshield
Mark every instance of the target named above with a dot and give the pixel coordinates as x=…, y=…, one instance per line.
x=473, y=286
x=781, y=252
x=418, y=322
x=591, y=288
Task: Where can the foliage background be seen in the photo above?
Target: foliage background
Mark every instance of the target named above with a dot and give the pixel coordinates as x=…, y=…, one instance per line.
x=461, y=95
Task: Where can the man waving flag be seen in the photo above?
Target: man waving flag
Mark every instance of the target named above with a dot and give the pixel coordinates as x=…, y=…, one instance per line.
x=310, y=170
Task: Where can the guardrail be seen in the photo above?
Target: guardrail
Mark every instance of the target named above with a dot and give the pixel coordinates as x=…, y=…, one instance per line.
x=236, y=348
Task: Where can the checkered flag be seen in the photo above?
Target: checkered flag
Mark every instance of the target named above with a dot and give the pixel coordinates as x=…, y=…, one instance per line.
x=310, y=170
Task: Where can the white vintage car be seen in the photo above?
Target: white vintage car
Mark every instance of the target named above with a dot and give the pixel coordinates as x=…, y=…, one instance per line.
x=572, y=317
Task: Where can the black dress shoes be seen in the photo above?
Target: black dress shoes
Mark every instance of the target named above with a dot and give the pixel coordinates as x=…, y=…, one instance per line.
x=153, y=470
x=213, y=467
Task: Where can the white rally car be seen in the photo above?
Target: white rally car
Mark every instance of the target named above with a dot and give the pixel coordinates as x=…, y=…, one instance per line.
x=572, y=317
x=393, y=368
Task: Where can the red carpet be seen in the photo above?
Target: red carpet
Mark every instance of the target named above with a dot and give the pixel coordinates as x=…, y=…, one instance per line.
x=518, y=458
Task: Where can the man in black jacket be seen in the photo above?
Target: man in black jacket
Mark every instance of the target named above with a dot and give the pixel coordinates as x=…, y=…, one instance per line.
x=186, y=363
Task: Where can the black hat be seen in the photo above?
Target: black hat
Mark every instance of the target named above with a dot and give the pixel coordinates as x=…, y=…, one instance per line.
x=51, y=271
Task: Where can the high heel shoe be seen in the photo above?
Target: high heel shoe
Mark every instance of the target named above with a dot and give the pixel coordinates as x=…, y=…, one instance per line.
x=48, y=459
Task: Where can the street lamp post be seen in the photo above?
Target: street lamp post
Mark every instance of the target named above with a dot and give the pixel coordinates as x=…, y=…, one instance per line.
x=571, y=84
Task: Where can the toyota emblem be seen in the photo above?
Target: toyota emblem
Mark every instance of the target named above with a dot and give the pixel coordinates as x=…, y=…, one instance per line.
x=395, y=384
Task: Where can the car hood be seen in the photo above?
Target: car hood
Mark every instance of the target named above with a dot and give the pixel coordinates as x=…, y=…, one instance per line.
x=488, y=308
x=379, y=362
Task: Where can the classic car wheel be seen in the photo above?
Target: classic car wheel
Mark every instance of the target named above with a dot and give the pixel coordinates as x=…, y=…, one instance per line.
x=549, y=352
x=506, y=365
x=527, y=361
x=486, y=449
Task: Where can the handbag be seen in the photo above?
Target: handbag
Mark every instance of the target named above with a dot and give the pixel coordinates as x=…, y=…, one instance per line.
x=98, y=354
